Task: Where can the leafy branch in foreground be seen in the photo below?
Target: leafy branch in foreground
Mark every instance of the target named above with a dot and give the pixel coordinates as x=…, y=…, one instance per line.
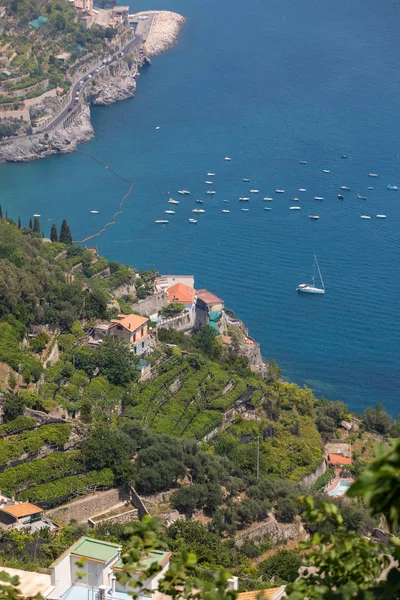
x=342, y=565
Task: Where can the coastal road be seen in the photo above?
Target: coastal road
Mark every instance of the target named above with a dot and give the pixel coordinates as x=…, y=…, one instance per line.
x=85, y=81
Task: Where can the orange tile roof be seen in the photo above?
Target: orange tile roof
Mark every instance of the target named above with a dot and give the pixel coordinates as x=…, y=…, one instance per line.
x=270, y=594
x=338, y=459
x=22, y=510
x=208, y=298
x=130, y=322
x=179, y=292
x=227, y=339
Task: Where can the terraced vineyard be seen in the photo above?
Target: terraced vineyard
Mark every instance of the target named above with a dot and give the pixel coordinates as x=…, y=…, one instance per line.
x=189, y=398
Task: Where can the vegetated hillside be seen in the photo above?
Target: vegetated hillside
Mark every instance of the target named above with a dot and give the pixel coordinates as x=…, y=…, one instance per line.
x=30, y=47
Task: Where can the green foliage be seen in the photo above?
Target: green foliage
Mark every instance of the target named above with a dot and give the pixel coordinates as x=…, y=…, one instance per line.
x=274, y=371
x=41, y=470
x=16, y=425
x=13, y=407
x=65, y=233
x=282, y=566
x=377, y=419
x=31, y=441
x=323, y=480
x=68, y=486
x=206, y=342
x=172, y=310
x=38, y=344
x=116, y=362
x=54, y=233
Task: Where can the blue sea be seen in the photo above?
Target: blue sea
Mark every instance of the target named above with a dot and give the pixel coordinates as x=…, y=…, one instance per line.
x=268, y=83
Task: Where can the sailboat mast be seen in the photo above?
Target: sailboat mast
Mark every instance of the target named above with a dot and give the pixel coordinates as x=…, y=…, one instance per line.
x=319, y=273
x=313, y=279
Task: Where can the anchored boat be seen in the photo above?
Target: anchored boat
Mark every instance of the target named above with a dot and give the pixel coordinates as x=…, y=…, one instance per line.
x=313, y=289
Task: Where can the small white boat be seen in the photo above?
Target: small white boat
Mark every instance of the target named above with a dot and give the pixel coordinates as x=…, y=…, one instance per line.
x=183, y=192
x=36, y=215
x=225, y=211
x=294, y=207
x=210, y=174
x=302, y=190
x=280, y=191
x=313, y=289
x=268, y=199
x=365, y=217
x=225, y=200
x=172, y=201
x=370, y=187
x=245, y=209
x=326, y=171
x=192, y=220
x=208, y=182
x=161, y=221
x=158, y=127
x=303, y=162
x=198, y=210
x=169, y=212
x=314, y=217
x=210, y=192
x=345, y=187
x=296, y=199
x=242, y=199
x=227, y=158
x=381, y=216
x=391, y=187
x=267, y=208
x=372, y=174
x=199, y=201
x=245, y=179
x=94, y=212
x=254, y=191
x=318, y=198
x=362, y=197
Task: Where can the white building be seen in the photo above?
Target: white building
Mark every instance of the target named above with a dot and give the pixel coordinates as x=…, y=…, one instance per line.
x=87, y=571
x=164, y=282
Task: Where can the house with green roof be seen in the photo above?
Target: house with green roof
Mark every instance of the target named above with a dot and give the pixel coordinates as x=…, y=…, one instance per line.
x=88, y=571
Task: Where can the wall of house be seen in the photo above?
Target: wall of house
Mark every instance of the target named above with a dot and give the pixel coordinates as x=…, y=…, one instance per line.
x=121, y=334
x=60, y=576
x=91, y=573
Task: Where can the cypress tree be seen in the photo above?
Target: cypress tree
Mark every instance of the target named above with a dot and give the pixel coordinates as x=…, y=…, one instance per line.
x=30, y=223
x=65, y=233
x=53, y=233
x=1, y=212
x=19, y=222
x=36, y=225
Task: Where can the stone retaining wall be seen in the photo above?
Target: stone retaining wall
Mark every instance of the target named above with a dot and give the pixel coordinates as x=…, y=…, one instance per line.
x=310, y=479
x=276, y=532
x=81, y=510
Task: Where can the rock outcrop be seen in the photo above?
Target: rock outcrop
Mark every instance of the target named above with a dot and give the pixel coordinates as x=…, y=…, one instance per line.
x=40, y=145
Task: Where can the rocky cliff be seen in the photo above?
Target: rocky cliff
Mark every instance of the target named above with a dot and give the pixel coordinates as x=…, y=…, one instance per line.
x=114, y=83
x=59, y=140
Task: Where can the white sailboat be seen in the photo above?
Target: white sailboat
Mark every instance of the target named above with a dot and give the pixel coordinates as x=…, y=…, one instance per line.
x=313, y=289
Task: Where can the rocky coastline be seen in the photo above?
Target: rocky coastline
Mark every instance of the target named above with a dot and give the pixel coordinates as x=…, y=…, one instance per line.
x=113, y=84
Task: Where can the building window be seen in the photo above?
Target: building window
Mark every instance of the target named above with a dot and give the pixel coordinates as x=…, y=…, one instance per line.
x=142, y=332
x=134, y=337
x=135, y=350
x=142, y=344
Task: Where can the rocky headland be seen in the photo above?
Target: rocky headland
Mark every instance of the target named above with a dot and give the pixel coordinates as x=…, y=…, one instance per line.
x=114, y=83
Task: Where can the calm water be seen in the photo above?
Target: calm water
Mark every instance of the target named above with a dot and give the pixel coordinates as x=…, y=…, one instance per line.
x=267, y=85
